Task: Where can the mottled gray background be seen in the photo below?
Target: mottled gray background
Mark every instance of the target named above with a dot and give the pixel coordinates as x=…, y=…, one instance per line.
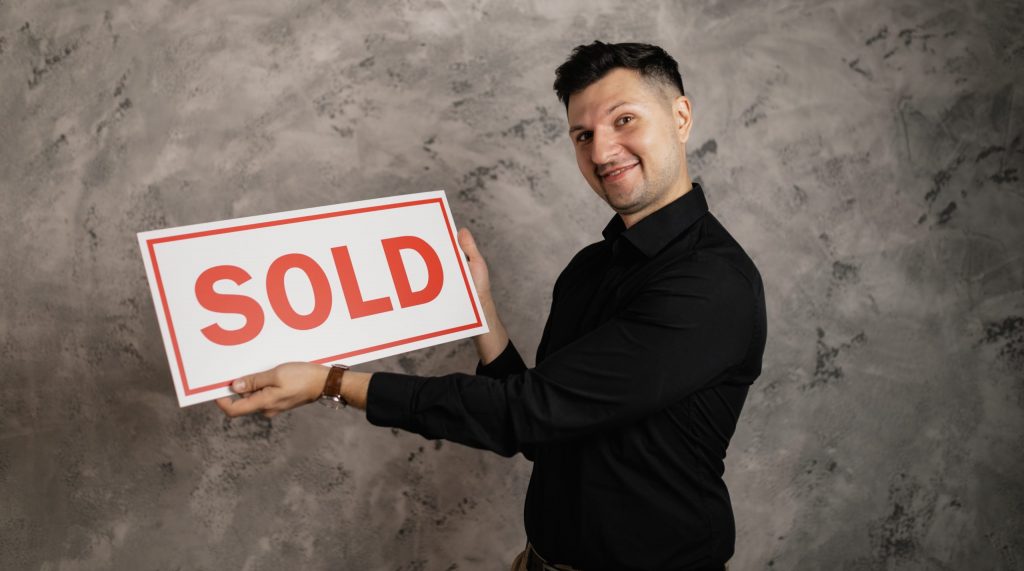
x=867, y=154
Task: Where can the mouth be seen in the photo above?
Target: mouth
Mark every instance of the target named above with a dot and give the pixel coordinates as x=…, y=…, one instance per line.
x=617, y=173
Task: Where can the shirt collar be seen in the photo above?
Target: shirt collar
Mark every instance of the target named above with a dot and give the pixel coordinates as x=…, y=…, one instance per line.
x=656, y=230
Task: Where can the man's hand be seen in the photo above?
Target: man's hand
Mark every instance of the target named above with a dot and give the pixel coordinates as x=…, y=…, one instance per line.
x=276, y=390
x=490, y=344
x=477, y=265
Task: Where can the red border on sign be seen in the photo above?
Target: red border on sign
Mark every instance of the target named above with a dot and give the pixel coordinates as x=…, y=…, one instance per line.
x=167, y=312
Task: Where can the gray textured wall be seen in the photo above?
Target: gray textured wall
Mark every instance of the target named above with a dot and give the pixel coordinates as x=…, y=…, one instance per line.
x=868, y=155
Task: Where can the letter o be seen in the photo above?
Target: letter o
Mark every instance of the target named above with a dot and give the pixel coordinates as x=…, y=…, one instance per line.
x=279, y=297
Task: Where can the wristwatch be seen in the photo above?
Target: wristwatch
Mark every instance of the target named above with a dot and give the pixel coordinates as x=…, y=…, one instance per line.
x=331, y=397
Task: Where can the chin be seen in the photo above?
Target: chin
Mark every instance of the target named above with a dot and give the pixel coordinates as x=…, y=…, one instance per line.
x=625, y=207
x=627, y=204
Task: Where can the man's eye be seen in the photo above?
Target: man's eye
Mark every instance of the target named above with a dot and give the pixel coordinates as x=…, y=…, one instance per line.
x=583, y=137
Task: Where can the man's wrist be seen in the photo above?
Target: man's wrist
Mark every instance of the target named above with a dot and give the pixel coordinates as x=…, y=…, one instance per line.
x=332, y=393
x=355, y=388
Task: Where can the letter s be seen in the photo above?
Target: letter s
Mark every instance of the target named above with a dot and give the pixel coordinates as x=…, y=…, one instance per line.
x=227, y=303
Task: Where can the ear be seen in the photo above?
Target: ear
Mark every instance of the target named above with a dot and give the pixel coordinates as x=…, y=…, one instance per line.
x=682, y=114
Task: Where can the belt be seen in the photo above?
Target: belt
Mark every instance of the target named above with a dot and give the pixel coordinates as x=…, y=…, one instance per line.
x=534, y=562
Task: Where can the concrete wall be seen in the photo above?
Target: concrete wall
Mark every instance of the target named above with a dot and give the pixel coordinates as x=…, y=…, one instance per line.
x=868, y=154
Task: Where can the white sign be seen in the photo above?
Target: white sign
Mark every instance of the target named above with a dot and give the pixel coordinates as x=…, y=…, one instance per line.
x=346, y=283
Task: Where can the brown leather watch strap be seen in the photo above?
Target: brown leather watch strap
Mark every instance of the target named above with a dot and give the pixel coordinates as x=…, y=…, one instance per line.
x=332, y=386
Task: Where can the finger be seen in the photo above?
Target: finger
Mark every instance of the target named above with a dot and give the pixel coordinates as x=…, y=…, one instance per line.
x=253, y=382
x=468, y=243
x=248, y=405
x=224, y=404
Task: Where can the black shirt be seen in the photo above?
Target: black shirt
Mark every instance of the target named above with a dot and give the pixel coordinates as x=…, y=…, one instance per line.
x=655, y=334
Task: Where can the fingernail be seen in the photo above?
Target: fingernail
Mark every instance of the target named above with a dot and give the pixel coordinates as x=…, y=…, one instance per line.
x=238, y=386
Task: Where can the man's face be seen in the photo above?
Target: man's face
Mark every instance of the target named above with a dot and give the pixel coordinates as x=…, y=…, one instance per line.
x=630, y=135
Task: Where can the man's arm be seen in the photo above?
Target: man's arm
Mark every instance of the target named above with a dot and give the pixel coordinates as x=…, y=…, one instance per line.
x=491, y=344
x=290, y=385
x=682, y=333
x=677, y=336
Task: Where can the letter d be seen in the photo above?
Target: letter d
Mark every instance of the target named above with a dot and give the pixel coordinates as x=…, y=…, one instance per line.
x=435, y=275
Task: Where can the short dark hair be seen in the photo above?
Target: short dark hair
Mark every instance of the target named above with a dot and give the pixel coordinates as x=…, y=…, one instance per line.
x=589, y=63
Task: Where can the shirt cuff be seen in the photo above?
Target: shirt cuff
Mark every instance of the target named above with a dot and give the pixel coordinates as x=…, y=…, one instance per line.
x=509, y=362
x=389, y=399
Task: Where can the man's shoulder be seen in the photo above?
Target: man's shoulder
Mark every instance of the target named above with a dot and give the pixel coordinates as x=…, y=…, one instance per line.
x=583, y=260
x=588, y=253
x=717, y=247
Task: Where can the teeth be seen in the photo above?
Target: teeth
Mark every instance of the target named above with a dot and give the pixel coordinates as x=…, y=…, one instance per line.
x=617, y=171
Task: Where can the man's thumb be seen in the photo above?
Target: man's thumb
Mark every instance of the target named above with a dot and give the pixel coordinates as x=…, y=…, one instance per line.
x=468, y=243
x=250, y=383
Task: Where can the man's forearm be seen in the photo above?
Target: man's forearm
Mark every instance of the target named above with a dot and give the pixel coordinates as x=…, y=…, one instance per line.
x=354, y=387
x=491, y=344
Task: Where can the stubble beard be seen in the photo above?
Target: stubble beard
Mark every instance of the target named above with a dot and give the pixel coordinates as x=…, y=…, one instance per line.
x=636, y=199
x=646, y=192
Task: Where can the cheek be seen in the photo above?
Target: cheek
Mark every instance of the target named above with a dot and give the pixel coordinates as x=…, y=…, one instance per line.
x=583, y=162
x=647, y=143
x=587, y=170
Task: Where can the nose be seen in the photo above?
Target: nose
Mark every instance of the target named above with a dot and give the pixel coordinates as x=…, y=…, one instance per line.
x=604, y=147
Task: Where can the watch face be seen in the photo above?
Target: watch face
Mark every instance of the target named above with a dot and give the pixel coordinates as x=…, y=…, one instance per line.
x=331, y=402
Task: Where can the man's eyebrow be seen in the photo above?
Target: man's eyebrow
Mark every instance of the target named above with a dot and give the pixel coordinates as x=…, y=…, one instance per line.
x=575, y=128
x=616, y=106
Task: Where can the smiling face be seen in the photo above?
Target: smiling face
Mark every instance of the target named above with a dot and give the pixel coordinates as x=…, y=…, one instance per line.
x=630, y=138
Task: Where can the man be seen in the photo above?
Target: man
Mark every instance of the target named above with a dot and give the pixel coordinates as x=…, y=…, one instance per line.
x=654, y=336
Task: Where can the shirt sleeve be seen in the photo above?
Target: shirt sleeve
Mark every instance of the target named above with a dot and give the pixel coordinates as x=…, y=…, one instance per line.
x=678, y=335
x=508, y=363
